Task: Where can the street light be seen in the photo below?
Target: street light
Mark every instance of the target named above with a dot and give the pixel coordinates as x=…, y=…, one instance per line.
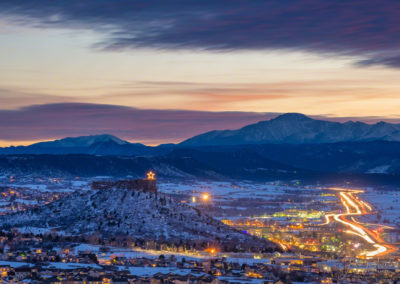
x=205, y=196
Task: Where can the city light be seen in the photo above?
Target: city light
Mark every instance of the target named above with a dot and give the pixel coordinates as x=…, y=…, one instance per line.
x=205, y=196
x=351, y=203
x=211, y=250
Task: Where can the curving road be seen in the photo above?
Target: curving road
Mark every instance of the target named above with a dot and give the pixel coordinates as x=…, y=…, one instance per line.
x=356, y=207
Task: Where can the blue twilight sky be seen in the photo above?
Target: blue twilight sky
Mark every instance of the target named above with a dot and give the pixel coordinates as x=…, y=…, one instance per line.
x=162, y=71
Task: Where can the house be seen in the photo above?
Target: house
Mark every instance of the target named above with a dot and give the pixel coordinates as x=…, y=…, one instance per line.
x=23, y=272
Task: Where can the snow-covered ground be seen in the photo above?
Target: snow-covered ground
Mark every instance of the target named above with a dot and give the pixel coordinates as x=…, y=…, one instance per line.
x=243, y=199
x=223, y=189
x=387, y=204
x=226, y=200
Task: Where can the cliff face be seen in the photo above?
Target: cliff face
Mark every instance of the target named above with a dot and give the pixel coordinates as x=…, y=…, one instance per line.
x=144, y=185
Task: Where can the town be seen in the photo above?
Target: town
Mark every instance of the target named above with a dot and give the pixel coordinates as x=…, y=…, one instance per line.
x=315, y=247
x=199, y=142
x=50, y=258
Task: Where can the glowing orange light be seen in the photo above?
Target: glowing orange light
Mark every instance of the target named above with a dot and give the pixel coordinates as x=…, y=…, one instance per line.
x=205, y=196
x=151, y=175
x=211, y=250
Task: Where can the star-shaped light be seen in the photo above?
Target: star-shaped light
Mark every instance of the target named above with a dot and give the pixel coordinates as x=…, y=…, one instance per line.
x=151, y=175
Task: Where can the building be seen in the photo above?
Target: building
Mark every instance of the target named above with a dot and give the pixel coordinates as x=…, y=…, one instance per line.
x=148, y=184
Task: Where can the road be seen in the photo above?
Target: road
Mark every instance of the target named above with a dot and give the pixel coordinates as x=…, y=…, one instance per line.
x=356, y=207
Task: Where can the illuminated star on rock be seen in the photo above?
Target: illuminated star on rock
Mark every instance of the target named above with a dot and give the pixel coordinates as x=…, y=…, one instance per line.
x=151, y=175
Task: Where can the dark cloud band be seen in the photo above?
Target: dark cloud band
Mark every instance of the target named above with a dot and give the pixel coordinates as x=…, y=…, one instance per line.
x=41, y=122
x=367, y=29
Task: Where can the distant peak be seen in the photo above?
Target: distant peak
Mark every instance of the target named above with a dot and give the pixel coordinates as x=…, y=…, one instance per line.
x=351, y=122
x=292, y=116
x=102, y=138
x=83, y=141
x=382, y=123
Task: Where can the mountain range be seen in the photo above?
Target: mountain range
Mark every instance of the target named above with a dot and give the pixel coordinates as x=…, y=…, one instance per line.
x=290, y=146
x=103, y=144
x=297, y=128
x=290, y=128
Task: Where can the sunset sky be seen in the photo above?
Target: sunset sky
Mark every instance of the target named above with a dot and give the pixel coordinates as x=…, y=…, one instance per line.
x=162, y=71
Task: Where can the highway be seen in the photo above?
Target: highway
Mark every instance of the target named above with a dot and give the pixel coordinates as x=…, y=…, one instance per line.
x=354, y=206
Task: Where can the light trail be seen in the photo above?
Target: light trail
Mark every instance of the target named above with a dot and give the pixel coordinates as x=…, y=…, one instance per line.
x=373, y=224
x=357, y=207
x=365, y=237
x=366, y=205
x=340, y=219
x=379, y=250
x=345, y=206
x=327, y=220
x=352, y=204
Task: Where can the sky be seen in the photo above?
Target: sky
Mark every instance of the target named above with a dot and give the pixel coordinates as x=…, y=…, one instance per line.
x=163, y=71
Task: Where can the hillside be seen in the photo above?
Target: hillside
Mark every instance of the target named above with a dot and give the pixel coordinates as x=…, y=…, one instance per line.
x=116, y=212
x=185, y=163
x=338, y=162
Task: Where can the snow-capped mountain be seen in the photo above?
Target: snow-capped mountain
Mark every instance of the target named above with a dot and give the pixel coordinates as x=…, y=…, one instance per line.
x=297, y=128
x=123, y=212
x=103, y=144
x=293, y=128
x=81, y=141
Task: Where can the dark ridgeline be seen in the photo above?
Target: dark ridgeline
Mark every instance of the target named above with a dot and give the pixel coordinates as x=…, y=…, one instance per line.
x=145, y=185
x=364, y=163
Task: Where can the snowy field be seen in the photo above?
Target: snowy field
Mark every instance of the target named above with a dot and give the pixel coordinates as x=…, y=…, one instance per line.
x=224, y=195
x=222, y=190
x=246, y=199
x=387, y=204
